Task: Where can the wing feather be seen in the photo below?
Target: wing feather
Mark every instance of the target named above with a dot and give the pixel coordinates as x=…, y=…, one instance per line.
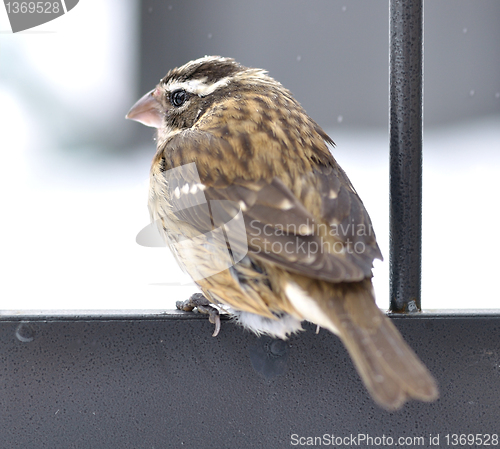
x=283, y=226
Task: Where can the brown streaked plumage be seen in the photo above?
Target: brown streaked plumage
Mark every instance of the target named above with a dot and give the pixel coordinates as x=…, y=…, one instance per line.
x=307, y=245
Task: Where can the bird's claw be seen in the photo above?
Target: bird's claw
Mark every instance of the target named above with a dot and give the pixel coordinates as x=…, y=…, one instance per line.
x=203, y=305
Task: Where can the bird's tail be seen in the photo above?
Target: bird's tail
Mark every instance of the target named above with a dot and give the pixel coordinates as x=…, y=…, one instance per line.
x=389, y=368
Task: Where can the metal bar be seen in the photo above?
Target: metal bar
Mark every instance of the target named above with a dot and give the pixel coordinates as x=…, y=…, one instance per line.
x=406, y=74
x=178, y=315
x=166, y=383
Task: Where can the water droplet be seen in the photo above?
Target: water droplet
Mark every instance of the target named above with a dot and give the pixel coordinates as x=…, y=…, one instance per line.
x=340, y=119
x=412, y=306
x=464, y=31
x=150, y=9
x=299, y=58
x=344, y=8
x=278, y=348
x=209, y=35
x=25, y=333
x=472, y=92
x=497, y=95
x=170, y=7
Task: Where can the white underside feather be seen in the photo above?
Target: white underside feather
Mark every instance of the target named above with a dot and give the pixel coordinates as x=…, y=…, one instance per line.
x=280, y=327
x=307, y=307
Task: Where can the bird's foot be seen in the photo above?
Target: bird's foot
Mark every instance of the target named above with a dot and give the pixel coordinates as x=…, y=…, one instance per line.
x=203, y=305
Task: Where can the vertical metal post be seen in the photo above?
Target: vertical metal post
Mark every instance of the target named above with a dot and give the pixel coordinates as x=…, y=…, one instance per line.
x=406, y=74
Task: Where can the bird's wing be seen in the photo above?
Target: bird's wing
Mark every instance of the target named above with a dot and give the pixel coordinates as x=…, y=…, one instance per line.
x=278, y=228
x=344, y=211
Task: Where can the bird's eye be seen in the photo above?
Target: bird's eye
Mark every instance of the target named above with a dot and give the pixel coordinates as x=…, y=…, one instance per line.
x=178, y=98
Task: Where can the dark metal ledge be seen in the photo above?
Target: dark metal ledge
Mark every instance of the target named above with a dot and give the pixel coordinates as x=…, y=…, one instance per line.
x=119, y=381
x=155, y=314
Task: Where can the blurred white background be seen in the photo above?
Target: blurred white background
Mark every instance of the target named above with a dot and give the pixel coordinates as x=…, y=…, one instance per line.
x=73, y=174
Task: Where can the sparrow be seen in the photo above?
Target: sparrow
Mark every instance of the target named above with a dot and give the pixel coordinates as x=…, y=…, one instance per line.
x=253, y=205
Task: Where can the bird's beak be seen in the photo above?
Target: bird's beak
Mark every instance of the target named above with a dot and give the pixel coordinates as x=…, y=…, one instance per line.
x=147, y=111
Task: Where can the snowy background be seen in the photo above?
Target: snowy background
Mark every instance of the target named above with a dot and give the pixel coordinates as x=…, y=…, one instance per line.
x=73, y=174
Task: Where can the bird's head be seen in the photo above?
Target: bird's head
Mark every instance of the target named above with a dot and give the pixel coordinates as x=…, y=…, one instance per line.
x=186, y=93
